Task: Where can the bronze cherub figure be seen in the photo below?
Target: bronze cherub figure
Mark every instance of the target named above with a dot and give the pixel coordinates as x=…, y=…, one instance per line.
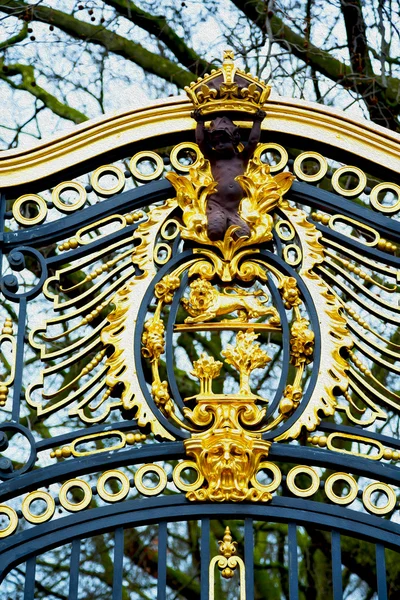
x=220, y=144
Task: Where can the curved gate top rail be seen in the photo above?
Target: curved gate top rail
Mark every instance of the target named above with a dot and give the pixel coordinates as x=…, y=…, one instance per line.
x=290, y=116
x=200, y=351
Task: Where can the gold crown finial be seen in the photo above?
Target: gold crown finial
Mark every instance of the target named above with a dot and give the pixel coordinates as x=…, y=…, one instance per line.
x=228, y=89
x=229, y=55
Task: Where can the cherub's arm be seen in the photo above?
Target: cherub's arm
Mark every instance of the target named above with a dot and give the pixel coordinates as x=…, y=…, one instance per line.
x=255, y=133
x=200, y=132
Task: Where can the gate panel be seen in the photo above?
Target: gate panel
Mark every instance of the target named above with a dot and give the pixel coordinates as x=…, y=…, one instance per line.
x=199, y=388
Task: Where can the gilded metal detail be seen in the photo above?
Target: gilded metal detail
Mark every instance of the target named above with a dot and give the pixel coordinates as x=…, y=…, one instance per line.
x=150, y=490
x=81, y=504
x=295, y=489
x=227, y=562
x=44, y=516
x=113, y=496
x=263, y=193
x=22, y=203
x=349, y=481
x=227, y=454
x=379, y=487
x=206, y=303
x=353, y=171
x=107, y=170
x=64, y=206
x=152, y=157
x=12, y=520
x=124, y=439
x=314, y=177
x=239, y=91
x=7, y=337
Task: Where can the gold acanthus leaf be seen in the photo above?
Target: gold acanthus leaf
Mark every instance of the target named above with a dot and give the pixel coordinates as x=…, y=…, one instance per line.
x=263, y=192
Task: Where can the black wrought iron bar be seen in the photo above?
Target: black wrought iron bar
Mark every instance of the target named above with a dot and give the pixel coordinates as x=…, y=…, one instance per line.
x=293, y=562
x=381, y=571
x=118, y=563
x=74, y=570
x=336, y=566
x=29, y=589
x=205, y=558
x=249, y=557
x=162, y=561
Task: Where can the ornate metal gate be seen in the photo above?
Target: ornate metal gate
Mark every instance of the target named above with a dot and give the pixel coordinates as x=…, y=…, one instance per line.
x=199, y=341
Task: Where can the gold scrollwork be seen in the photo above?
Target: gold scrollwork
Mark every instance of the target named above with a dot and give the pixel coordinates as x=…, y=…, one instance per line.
x=276, y=481
x=146, y=490
x=107, y=170
x=180, y=148
x=27, y=199
x=281, y=164
x=150, y=156
x=355, y=171
x=385, y=187
x=43, y=516
x=349, y=481
x=67, y=487
x=68, y=185
x=295, y=489
x=320, y=174
x=379, y=487
x=181, y=485
x=12, y=523
x=113, y=496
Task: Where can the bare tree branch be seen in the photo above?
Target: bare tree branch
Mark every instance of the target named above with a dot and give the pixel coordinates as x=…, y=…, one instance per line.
x=99, y=34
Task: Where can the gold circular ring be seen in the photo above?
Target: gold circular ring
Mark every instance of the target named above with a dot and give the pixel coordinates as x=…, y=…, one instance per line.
x=362, y=181
x=379, y=487
x=275, y=483
x=293, y=262
x=261, y=148
x=94, y=180
x=75, y=506
x=181, y=485
x=117, y=496
x=184, y=146
x=12, y=525
x=320, y=174
x=281, y=234
x=46, y=514
x=300, y=470
x=68, y=185
x=40, y=203
x=150, y=491
x=162, y=246
x=375, y=201
x=349, y=480
x=146, y=155
x=164, y=232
